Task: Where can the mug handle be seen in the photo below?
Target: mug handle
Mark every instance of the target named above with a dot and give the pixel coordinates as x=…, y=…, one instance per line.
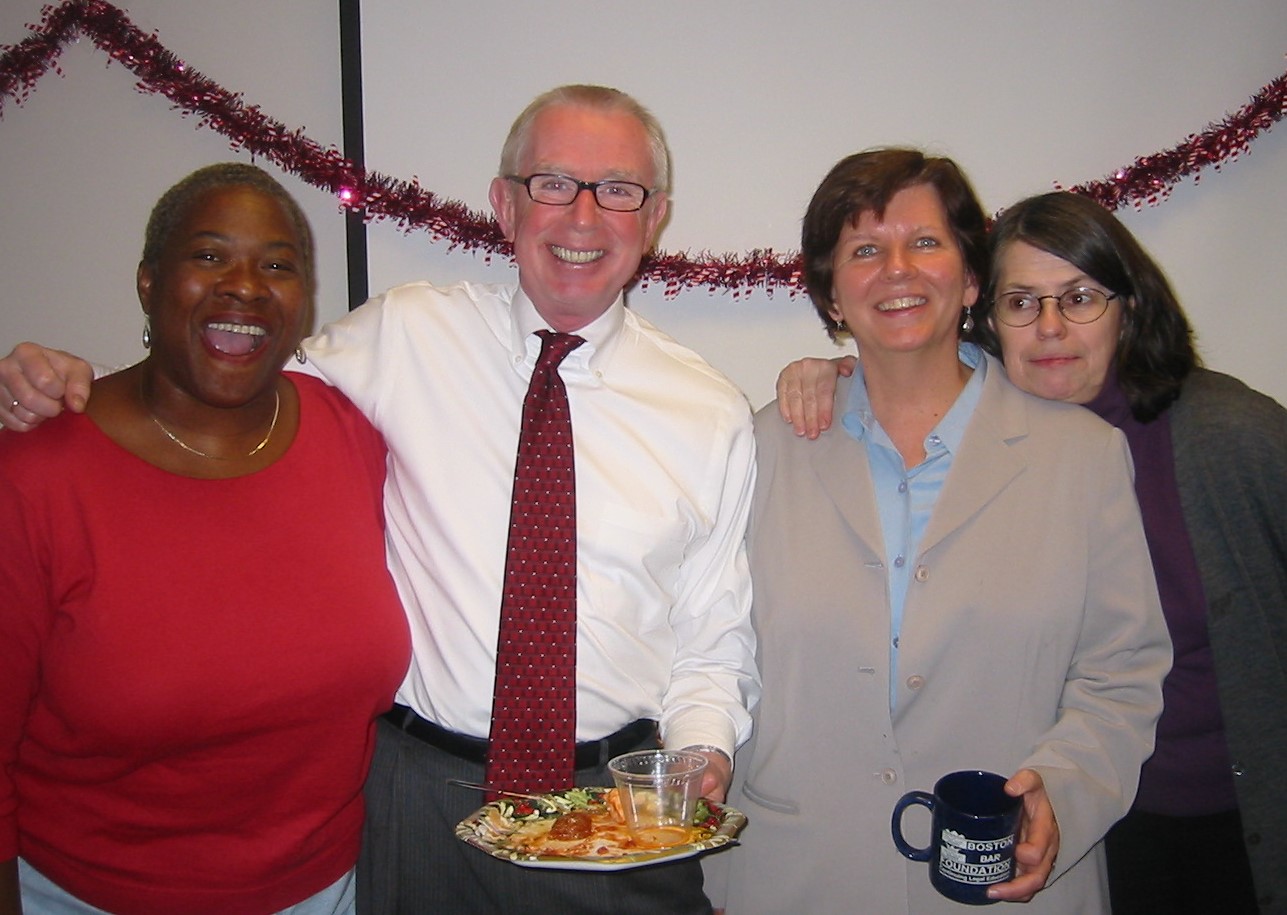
x=925, y=799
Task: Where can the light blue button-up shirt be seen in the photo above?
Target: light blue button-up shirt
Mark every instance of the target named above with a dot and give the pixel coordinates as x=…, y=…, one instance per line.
x=905, y=497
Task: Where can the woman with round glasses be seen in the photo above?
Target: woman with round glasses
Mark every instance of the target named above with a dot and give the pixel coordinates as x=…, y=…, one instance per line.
x=1211, y=476
x=1081, y=313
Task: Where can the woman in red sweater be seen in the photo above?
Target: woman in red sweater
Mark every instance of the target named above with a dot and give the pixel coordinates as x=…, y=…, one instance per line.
x=197, y=626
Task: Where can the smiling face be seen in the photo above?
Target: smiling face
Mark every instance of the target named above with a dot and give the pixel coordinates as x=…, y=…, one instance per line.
x=574, y=260
x=1052, y=357
x=900, y=282
x=227, y=298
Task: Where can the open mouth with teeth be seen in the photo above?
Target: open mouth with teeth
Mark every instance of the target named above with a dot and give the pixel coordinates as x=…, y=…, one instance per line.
x=569, y=256
x=234, y=339
x=901, y=304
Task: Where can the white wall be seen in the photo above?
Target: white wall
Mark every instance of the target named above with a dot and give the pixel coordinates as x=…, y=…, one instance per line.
x=87, y=155
x=758, y=100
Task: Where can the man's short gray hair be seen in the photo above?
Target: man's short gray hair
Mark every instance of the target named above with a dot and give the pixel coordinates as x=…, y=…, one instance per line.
x=599, y=98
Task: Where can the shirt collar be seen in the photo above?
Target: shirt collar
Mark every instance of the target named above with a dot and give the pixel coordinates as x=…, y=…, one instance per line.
x=600, y=334
x=858, y=419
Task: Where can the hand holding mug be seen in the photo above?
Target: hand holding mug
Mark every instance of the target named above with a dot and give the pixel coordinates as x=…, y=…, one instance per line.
x=1038, y=839
x=973, y=834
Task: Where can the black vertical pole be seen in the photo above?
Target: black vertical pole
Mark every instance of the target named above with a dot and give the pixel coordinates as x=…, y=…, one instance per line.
x=354, y=143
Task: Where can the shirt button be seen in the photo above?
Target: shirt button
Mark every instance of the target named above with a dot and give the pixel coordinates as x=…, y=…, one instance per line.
x=922, y=573
x=895, y=641
x=888, y=776
x=915, y=681
x=899, y=562
x=902, y=486
x=935, y=440
x=1237, y=769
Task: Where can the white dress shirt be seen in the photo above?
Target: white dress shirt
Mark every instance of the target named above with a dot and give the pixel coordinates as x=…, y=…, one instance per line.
x=664, y=465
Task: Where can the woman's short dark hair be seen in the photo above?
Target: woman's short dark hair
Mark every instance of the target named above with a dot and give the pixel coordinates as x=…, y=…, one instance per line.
x=866, y=182
x=1155, y=351
x=173, y=206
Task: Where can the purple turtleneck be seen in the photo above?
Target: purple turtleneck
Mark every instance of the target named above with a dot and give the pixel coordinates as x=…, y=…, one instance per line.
x=1189, y=773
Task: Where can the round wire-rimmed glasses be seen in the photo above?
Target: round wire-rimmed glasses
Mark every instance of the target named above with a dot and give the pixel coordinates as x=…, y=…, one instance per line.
x=1080, y=306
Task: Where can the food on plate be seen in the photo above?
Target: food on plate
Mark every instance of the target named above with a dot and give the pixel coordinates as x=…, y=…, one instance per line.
x=584, y=823
x=575, y=825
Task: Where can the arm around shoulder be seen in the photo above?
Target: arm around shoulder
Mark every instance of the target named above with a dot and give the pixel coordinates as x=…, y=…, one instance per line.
x=37, y=383
x=806, y=392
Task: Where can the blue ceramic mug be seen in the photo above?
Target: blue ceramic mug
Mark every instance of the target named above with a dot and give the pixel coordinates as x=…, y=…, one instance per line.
x=973, y=833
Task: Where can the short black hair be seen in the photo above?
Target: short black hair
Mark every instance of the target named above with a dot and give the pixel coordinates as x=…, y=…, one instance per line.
x=173, y=206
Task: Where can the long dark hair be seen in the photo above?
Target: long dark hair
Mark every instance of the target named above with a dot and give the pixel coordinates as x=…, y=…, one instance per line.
x=1155, y=352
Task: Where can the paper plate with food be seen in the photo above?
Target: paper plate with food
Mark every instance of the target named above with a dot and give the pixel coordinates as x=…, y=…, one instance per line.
x=584, y=829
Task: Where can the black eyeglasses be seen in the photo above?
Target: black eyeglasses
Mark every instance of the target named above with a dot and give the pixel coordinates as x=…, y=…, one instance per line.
x=1080, y=306
x=561, y=190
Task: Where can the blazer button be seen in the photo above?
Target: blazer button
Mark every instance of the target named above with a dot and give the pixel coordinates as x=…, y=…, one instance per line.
x=922, y=573
x=915, y=681
x=888, y=776
x=1237, y=769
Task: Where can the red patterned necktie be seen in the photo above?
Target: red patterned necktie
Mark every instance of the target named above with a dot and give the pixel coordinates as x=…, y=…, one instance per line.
x=533, y=731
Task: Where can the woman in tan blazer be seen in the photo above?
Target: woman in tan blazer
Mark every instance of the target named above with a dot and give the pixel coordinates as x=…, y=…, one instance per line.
x=954, y=577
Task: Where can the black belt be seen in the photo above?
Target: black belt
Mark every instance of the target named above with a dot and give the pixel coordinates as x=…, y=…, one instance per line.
x=590, y=754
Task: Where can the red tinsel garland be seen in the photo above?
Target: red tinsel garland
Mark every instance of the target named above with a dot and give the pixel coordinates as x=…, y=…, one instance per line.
x=1149, y=179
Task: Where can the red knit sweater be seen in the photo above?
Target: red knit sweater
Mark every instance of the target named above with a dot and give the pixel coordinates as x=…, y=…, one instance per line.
x=189, y=669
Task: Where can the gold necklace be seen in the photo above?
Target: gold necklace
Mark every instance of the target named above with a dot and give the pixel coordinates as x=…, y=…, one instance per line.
x=277, y=403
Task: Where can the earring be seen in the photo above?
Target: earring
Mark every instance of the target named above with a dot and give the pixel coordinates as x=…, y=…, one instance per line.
x=147, y=333
x=968, y=324
x=840, y=327
x=299, y=355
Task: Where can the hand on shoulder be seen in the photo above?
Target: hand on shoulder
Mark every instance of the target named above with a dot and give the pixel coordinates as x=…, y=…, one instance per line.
x=36, y=384
x=806, y=392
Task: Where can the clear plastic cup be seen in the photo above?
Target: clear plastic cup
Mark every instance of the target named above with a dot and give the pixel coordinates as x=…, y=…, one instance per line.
x=659, y=791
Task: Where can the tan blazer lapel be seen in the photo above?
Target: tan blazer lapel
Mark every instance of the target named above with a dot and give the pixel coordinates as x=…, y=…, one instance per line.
x=991, y=457
x=844, y=475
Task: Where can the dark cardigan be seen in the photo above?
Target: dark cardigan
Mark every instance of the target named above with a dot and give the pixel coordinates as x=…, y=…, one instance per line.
x=1230, y=446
